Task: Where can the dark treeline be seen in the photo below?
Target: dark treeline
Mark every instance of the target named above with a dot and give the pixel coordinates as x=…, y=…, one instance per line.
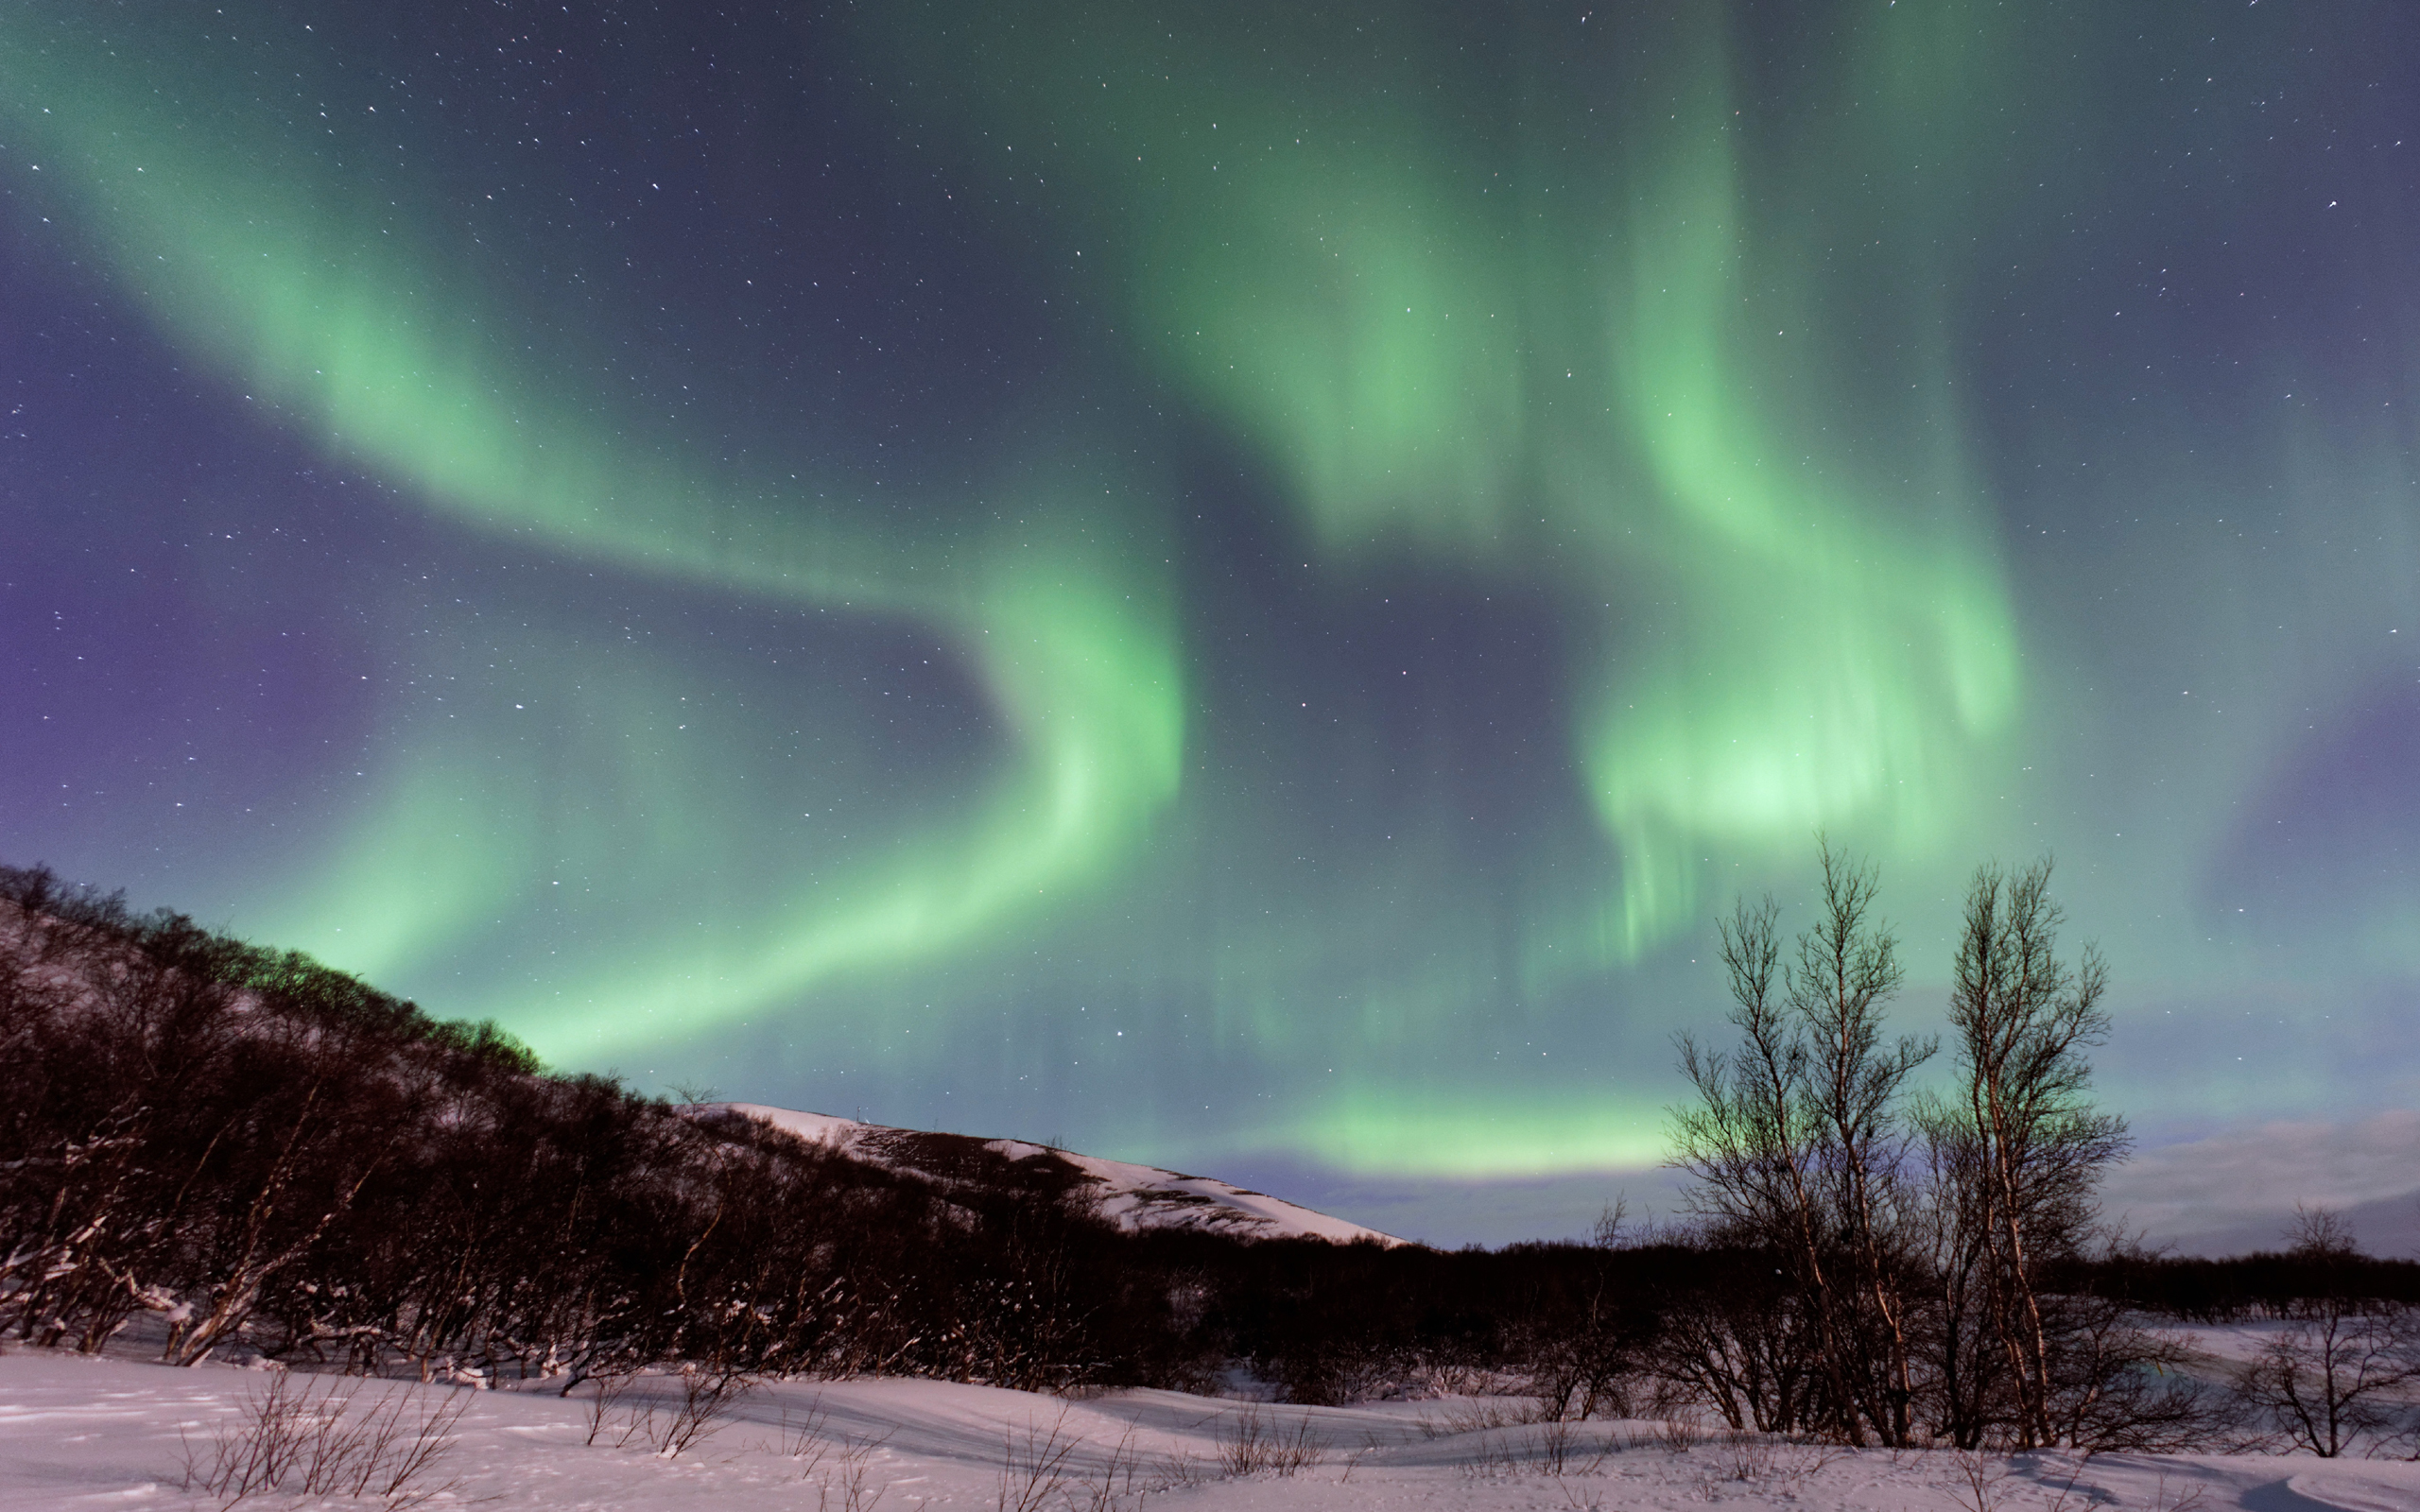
x=297, y=984
x=2277, y=1285
x=1339, y=1323
x=245, y=1149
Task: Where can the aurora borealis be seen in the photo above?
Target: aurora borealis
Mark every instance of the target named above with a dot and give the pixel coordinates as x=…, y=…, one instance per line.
x=1236, y=586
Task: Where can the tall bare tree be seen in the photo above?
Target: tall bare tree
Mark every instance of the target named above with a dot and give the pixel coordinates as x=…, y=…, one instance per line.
x=2022, y=1144
x=1798, y=1138
x=1848, y=972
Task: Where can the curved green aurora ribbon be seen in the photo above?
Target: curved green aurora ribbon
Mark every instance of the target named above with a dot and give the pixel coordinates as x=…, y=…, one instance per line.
x=397, y=364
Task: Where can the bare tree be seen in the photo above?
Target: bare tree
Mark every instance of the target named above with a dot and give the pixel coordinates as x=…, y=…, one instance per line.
x=2022, y=1146
x=1847, y=970
x=2332, y=1381
x=1798, y=1140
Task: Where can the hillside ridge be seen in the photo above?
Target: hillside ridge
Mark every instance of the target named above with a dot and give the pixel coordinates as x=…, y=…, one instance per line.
x=1132, y=1196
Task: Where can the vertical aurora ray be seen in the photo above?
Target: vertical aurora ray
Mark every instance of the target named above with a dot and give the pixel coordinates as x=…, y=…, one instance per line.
x=244, y=253
x=1560, y=376
x=1856, y=621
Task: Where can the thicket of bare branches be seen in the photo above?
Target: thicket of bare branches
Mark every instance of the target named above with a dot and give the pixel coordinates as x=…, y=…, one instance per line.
x=2334, y=1381
x=257, y=1149
x=1798, y=1146
x=1907, y=1233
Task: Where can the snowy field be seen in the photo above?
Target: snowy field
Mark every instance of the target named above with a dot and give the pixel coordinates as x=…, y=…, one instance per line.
x=93, y=1434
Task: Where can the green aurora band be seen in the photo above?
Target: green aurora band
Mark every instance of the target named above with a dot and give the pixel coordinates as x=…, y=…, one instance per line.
x=243, y=254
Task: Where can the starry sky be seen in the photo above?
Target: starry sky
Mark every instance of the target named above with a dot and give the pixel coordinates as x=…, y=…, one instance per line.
x=1233, y=585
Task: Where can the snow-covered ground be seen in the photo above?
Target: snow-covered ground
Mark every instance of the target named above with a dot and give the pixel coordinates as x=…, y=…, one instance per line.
x=1130, y=1196
x=79, y=1433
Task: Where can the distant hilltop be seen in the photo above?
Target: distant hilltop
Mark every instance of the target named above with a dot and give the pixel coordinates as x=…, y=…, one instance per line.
x=1132, y=1197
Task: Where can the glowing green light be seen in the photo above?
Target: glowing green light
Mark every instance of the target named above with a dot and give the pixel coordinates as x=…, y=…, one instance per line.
x=1554, y=379
x=339, y=328
x=1449, y=1131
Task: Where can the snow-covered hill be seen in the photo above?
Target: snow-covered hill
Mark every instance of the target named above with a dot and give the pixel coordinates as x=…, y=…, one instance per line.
x=1132, y=1196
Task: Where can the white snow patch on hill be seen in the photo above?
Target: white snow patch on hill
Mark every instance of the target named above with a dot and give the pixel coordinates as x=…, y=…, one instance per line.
x=1132, y=1196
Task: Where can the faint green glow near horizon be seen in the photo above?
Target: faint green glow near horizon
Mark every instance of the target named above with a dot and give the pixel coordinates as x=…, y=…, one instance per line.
x=1456, y=1132
x=341, y=334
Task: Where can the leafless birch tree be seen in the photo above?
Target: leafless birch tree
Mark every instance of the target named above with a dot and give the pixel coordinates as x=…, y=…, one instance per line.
x=1798, y=1138
x=2021, y=1144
